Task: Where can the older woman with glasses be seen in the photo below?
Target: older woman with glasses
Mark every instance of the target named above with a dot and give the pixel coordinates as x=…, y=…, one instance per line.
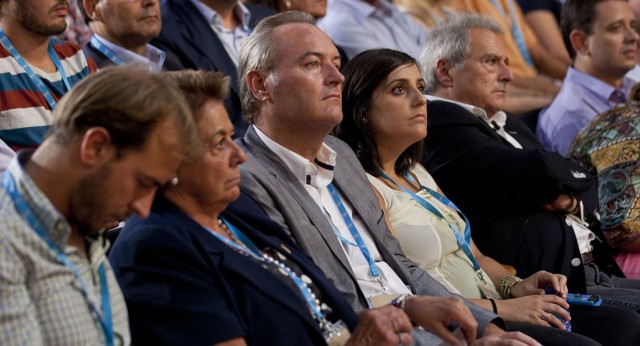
x=193, y=273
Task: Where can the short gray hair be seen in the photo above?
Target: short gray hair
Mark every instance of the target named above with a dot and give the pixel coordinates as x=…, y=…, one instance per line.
x=259, y=53
x=450, y=41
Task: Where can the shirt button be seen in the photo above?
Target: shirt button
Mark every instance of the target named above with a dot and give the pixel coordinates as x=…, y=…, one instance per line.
x=576, y=262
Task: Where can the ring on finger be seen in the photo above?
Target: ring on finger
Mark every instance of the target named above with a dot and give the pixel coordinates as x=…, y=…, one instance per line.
x=399, y=338
x=544, y=316
x=395, y=326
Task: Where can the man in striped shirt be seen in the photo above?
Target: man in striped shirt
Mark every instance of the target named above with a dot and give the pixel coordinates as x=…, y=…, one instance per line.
x=35, y=70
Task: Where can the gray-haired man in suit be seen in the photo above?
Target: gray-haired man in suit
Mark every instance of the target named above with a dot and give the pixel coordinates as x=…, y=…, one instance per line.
x=306, y=181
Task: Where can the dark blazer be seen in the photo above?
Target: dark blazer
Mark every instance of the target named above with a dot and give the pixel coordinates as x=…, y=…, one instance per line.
x=100, y=59
x=184, y=286
x=189, y=43
x=502, y=190
x=267, y=179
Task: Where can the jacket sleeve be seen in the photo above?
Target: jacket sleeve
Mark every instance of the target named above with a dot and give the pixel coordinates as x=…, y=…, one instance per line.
x=492, y=177
x=172, y=292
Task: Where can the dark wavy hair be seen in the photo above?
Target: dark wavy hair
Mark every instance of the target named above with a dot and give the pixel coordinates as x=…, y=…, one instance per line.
x=363, y=75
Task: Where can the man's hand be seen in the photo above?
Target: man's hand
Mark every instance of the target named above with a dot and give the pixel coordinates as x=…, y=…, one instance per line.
x=563, y=204
x=436, y=314
x=536, y=283
x=387, y=325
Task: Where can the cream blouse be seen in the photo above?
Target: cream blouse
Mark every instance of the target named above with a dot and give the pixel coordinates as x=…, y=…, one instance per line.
x=427, y=239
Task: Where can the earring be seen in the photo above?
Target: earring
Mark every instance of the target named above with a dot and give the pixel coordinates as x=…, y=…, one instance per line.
x=288, y=5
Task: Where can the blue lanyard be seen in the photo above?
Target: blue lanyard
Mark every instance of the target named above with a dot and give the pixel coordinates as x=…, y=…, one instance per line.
x=34, y=78
x=515, y=30
x=252, y=250
x=463, y=243
x=23, y=208
x=354, y=232
x=106, y=51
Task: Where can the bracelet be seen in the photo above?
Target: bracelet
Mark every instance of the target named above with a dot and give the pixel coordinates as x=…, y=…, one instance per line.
x=506, y=284
x=400, y=300
x=495, y=307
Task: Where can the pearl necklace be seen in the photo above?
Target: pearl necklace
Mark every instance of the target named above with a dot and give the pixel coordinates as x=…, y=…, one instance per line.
x=302, y=285
x=329, y=330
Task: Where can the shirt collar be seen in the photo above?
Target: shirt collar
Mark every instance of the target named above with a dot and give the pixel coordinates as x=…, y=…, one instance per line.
x=364, y=10
x=499, y=117
x=597, y=86
x=318, y=173
x=213, y=18
x=153, y=57
x=50, y=219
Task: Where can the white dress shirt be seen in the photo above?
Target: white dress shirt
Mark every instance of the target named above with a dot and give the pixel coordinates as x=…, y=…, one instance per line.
x=315, y=177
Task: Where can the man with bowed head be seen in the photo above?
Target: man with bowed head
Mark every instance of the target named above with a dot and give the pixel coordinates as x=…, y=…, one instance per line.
x=111, y=146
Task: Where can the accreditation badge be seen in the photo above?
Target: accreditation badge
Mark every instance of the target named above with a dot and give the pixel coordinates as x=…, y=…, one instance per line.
x=336, y=334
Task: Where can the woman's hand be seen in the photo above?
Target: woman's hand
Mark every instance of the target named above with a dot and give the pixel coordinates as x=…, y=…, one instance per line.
x=538, y=309
x=536, y=283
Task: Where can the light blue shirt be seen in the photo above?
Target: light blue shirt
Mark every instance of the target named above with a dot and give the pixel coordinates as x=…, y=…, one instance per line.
x=153, y=58
x=356, y=26
x=634, y=73
x=580, y=99
x=231, y=39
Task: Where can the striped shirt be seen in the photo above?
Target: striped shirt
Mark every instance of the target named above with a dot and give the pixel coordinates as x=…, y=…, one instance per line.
x=40, y=299
x=25, y=115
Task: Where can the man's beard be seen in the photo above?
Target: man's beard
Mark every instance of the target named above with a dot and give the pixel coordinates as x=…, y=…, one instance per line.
x=26, y=16
x=88, y=200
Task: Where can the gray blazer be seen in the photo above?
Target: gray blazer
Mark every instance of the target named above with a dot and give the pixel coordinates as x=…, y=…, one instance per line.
x=270, y=182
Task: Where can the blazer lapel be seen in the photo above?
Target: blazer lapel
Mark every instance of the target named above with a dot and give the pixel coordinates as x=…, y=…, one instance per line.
x=350, y=191
x=243, y=266
x=263, y=281
x=281, y=173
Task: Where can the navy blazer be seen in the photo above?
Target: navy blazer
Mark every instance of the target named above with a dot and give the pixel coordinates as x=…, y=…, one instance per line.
x=502, y=189
x=184, y=286
x=98, y=57
x=189, y=43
